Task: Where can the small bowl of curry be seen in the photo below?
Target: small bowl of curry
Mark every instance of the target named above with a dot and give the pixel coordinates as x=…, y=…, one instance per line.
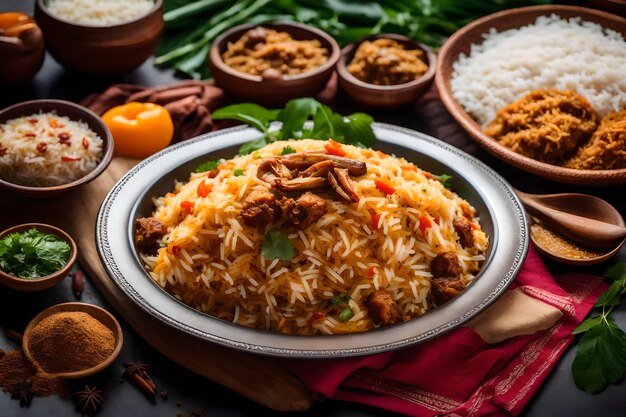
x=386, y=70
x=273, y=63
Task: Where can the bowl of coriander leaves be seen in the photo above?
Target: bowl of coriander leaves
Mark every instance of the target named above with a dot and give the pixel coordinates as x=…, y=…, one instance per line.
x=35, y=256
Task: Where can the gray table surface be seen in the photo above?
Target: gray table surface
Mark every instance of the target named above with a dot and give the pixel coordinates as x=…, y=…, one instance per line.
x=191, y=394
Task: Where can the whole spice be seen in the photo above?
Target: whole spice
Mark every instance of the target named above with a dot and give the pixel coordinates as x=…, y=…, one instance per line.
x=12, y=334
x=78, y=283
x=24, y=392
x=70, y=341
x=138, y=373
x=89, y=399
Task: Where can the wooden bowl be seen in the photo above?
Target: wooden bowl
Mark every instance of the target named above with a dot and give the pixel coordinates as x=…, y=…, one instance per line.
x=74, y=112
x=273, y=91
x=96, y=312
x=21, y=56
x=101, y=50
x=38, y=284
x=460, y=43
x=385, y=95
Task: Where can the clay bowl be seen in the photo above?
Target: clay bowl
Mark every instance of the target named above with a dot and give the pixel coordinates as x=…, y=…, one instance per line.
x=373, y=95
x=22, y=55
x=38, y=284
x=96, y=312
x=273, y=91
x=74, y=112
x=460, y=43
x=101, y=50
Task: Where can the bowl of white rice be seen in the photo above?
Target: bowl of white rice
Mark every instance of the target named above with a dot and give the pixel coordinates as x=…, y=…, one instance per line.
x=100, y=37
x=496, y=60
x=48, y=147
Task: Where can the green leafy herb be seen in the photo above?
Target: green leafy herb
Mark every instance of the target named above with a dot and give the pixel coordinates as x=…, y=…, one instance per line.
x=33, y=254
x=355, y=129
x=339, y=299
x=277, y=246
x=206, y=166
x=445, y=180
x=287, y=150
x=601, y=353
x=238, y=172
x=346, y=314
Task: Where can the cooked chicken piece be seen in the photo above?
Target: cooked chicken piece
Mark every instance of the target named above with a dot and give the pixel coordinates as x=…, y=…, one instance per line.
x=304, y=211
x=382, y=308
x=346, y=183
x=303, y=160
x=260, y=209
x=148, y=232
x=445, y=289
x=272, y=170
x=465, y=232
x=300, y=184
x=319, y=169
x=334, y=183
x=446, y=265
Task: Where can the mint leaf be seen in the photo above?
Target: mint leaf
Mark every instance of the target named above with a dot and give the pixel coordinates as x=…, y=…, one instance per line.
x=617, y=271
x=255, y=145
x=359, y=130
x=256, y=116
x=600, y=357
x=293, y=116
x=287, y=150
x=206, y=166
x=339, y=299
x=277, y=246
x=587, y=324
x=445, y=180
x=238, y=172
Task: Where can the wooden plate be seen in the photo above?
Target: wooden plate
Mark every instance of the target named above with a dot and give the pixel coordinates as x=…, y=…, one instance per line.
x=460, y=43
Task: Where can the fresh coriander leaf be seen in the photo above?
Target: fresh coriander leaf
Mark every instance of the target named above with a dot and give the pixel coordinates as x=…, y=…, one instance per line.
x=238, y=172
x=206, y=166
x=287, y=150
x=445, y=180
x=277, y=246
x=600, y=357
x=346, y=314
x=359, y=130
x=32, y=254
x=617, y=271
x=293, y=116
x=326, y=124
x=339, y=299
x=256, y=116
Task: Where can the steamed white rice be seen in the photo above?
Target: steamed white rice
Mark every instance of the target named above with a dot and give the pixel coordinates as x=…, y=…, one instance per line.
x=99, y=12
x=552, y=53
x=46, y=149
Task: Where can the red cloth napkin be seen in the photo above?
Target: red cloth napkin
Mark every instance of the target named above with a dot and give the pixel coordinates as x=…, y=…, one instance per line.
x=459, y=374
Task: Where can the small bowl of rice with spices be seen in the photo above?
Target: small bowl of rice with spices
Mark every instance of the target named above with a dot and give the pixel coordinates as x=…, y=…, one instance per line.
x=51, y=146
x=100, y=37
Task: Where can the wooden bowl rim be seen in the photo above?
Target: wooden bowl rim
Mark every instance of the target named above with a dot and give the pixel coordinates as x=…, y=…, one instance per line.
x=88, y=116
x=41, y=5
x=76, y=307
x=47, y=228
x=349, y=50
x=554, y=172
x=216, y=57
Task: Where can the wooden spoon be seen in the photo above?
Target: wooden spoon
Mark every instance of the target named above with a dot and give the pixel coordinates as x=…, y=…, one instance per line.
x=582, y=218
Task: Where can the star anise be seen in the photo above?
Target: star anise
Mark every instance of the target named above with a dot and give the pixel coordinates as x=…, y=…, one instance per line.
x=135, y=368
x=23, y=391
x=89, y=399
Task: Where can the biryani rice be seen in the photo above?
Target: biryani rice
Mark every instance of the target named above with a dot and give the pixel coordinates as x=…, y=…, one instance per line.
x=211, y=260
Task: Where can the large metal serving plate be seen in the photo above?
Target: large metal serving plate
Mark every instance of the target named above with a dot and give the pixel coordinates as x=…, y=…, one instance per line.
x=502, y=218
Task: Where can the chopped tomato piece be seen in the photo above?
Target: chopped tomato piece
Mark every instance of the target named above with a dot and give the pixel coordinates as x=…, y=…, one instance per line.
x=187, y=206
x=175, y=250
x=334, y=148
x=32, y=121
x=41, y=147
x=318, y=315
x=384, y=187
x=437, y=221
x=375, y=220
x=424, y=224
x=371, y=272
x=474, y=226
x=69, y=159
x=85, y=143
x=204, y=189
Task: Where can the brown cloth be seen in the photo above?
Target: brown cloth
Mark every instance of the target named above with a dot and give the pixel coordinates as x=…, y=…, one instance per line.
x=190, y=103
